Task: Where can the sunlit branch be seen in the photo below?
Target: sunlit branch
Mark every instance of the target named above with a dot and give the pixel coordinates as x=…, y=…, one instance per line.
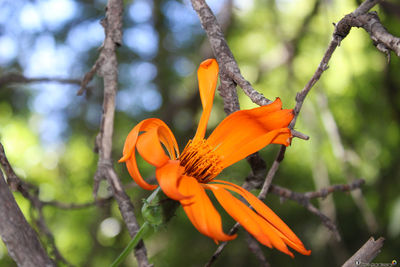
x=342, y=28
x=383, y=40
x=20, y=239
x=31, y=193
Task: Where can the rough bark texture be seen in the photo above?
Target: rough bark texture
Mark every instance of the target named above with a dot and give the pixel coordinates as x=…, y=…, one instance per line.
x=230, y=72
x=20, y=239
x=366, y=253
x=107, y=67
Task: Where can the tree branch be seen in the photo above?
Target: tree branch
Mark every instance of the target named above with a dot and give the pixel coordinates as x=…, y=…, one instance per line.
x=106, y=67
x=383, y=40
x=230, y=76
x=20, y=239
x=225, y=58
x=366, y=253
x=31, y=193
x=342, y=28
x=304, y=200
x=254, y=247
x=19, y=78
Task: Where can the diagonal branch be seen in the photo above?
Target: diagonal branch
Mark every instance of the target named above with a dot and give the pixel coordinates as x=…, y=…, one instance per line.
x=366, y=253
x=254, y=247
x=342, y=29
x=19, y=237
x=230, y=76
x=225, y=58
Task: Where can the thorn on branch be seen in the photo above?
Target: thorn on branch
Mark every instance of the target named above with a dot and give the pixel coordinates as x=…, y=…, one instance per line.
x=299, y=135
x=89, y=76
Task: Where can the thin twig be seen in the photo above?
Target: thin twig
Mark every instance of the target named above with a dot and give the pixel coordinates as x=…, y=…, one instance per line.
x=74, y=206
x=19, y=78
x=322, y=193
x=230, y=70
x=89, y=76
x=342, y=29
x=304, y=200
x=254, y=247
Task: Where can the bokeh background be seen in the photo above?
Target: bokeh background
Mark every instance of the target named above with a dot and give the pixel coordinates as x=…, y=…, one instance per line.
x=352, y=116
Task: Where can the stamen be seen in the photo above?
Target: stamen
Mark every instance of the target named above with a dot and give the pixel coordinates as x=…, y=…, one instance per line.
x=200, y=161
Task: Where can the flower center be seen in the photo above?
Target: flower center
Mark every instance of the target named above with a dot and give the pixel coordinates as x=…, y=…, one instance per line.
x=200, y=161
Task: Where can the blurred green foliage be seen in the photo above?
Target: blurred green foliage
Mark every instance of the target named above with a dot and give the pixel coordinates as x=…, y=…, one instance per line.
x=352, y=116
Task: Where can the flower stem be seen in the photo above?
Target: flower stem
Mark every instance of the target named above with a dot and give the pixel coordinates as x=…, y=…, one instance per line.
x=139, y=235
x=135, y=240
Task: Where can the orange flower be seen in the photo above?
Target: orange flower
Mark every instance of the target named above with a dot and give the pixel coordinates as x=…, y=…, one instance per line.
x=186, y=176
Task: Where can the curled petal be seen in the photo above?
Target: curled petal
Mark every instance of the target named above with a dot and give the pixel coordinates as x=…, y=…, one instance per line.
x=149, y=147
x=133, y=170
x=168, y=177
x=157, y=131
x=201, y=211
x=268, y=215
x=207, y=75
x=166, y=137
x=251, y=221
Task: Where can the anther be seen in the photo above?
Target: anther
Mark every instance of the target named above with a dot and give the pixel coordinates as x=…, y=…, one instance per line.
x=200, y=161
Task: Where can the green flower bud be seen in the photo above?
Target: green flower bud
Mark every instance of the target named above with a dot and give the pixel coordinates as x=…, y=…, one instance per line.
x=152, y=213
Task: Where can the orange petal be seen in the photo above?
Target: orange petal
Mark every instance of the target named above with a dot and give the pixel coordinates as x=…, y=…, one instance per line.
x=258, y=120
x=167, y=138
x=168, y=177
x=149, y=147
x=232, y=150
x=207, y=75
x=250, y=220
x=264, y=211
x=201, y=211
x=133, y=170
x=165, y=134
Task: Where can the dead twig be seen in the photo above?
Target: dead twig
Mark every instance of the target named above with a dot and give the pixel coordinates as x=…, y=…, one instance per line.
x=11, y=78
